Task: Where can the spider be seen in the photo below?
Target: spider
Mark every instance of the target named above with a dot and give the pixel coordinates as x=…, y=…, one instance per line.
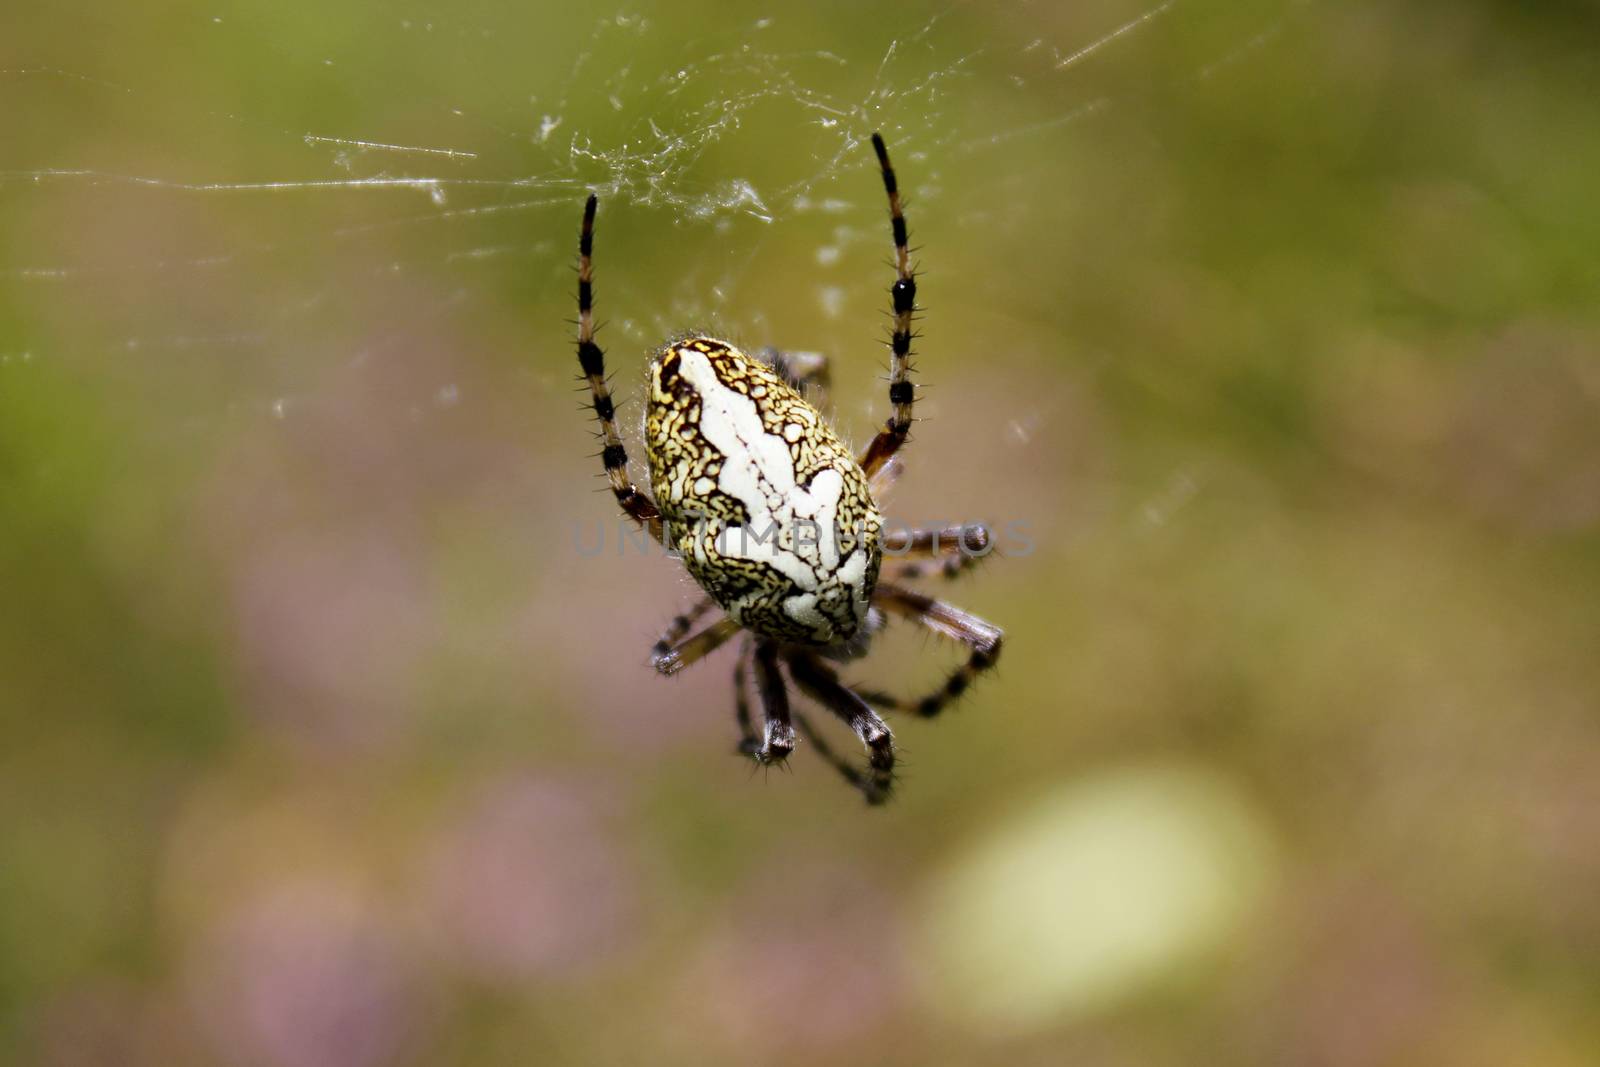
x=779, y=524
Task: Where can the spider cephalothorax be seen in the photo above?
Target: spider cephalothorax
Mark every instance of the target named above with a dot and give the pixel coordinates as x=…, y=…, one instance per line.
x=778, y=522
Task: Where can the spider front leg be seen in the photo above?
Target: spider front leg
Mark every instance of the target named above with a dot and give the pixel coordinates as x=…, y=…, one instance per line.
x=821, y=684
x=947, y=551
x=592, y=359
x=903, y=299
x=949, y=621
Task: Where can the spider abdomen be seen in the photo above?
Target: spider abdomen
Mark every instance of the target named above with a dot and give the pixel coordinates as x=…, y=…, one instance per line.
x=772, y=514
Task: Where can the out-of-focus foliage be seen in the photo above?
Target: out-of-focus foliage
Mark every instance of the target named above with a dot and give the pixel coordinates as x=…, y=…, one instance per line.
x=1267, y=329
x=1106, y=887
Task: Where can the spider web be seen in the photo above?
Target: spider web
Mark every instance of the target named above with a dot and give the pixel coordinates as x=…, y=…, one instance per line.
x=474, y=173
x=311, y=268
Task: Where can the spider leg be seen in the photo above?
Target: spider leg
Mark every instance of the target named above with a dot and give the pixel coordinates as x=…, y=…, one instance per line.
x=821, y=684
x=801, y=370
x=680, y=625
x=982, y=638
x=778, y=737
x=947, y=552
x=820, y=745
x=884, y=477
x=696, y=648
x=748, y=742
x=634, y=502
x=903, y=298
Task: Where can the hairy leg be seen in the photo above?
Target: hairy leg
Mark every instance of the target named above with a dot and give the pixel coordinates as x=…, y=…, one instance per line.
x=613, y=455
x=818, y=681
x=680, y=625
x=903, y=299
x=802, y=370
x=980, y=637
x=748, y=742
x=778, y=735
x=696, y=648
x=948, y=551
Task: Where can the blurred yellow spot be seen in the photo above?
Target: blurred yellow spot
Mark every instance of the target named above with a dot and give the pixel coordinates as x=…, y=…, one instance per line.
x=1093, y=893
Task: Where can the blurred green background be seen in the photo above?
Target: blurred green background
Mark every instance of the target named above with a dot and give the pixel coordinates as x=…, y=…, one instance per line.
x=1272, y=323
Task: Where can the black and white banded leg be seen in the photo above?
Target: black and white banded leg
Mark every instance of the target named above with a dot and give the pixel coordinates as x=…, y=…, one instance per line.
x=592, y=359
x=903, y=299
x=818, y=681
x=982, y=639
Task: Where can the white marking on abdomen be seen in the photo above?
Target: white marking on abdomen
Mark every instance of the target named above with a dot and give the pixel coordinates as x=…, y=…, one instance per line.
x=758, y=471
